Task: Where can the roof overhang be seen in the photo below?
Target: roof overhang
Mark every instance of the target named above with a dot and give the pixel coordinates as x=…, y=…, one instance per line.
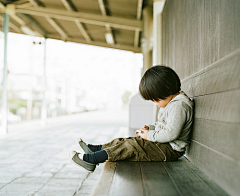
x=107, y=23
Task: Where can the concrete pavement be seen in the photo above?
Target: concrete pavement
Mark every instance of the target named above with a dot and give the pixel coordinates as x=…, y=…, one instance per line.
x=34, y=159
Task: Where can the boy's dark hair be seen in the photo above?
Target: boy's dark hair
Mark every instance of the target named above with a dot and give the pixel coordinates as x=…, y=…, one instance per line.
x=159, y=82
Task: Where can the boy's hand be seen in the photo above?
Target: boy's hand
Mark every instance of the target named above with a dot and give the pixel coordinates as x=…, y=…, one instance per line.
x=145, y=127
x=143, y=132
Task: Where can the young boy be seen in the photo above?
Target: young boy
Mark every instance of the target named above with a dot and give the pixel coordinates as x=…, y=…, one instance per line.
x=166, y=140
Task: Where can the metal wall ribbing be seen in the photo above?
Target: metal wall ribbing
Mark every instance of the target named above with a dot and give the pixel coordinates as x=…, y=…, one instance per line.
x=201, y=41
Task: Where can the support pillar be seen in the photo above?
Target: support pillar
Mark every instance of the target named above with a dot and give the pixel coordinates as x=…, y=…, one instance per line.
x=157, y=37
x=5, y=72
x=44, y=101
x=157, y=31
x=147, y=37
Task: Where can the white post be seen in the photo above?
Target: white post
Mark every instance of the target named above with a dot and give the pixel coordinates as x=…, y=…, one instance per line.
x=30, y=101
x=157, y=37
x=157, y=31
x=44, y=102
x=146, y=41
x=5, y=72
x=30, y=90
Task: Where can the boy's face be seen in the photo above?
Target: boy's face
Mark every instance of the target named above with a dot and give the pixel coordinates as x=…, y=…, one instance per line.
x=162, y=103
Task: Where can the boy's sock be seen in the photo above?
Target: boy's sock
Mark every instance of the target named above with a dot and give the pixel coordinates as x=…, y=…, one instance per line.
x=96, y=157
x=94, y=148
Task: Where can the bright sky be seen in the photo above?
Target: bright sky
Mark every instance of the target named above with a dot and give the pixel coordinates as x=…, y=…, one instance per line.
x=101, y=74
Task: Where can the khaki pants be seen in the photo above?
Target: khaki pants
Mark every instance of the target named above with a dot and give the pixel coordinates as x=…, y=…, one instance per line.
x=138, y=149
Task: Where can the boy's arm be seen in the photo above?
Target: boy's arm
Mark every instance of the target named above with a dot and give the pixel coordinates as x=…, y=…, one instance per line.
x=170, y=131
x=151, y=127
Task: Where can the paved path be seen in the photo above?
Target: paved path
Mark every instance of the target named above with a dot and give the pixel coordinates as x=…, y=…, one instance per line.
x=34, y=159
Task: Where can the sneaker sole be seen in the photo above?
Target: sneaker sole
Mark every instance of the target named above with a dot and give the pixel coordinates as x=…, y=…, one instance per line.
x=80, y=165
x=80, y=140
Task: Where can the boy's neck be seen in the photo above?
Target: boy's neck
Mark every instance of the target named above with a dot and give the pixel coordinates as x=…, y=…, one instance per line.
x=163, y=102
x=175, y=95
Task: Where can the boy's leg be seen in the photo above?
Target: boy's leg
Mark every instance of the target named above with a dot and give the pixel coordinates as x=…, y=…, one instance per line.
x=89, y=148
x=96, y=157
x=113, y=142
x=94, y=148
x=138, y=149
x=130, y=149
x=161, y=152
x=117, y=141
x=118, y=149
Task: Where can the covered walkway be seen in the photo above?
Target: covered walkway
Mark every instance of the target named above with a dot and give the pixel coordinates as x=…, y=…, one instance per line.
x=34, y=160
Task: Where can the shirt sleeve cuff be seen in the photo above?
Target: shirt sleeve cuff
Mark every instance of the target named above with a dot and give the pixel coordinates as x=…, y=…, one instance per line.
x=151, y=127
x=150, y=135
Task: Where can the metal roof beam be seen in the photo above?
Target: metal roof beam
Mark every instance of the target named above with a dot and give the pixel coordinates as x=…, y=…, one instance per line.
x=83, y=31
x=102, y=7
x=102, y=44
x=57, y=27
x=33, y=24
x=37, y=4
x=121, y=23
x=24, y=5
x=13, y=26
x=23, y=20
x=70, y=7
x=136, y=38
x=10, y=9
x=139, y=9
x=109, y=35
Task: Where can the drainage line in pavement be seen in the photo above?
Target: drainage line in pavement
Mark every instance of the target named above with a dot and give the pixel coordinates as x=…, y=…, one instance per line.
x=80, y=186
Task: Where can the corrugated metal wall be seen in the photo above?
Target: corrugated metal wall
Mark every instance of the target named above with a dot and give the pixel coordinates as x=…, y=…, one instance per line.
x=201, y=41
